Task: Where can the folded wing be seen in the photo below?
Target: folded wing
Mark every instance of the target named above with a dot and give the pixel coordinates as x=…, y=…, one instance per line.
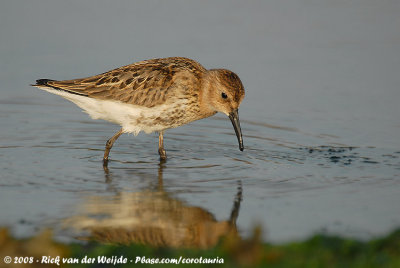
x=144, y=83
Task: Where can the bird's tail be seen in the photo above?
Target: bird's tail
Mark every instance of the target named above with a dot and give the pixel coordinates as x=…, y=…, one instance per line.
x=42, y=83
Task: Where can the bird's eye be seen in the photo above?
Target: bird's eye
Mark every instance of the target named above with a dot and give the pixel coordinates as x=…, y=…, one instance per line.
x=223, y=95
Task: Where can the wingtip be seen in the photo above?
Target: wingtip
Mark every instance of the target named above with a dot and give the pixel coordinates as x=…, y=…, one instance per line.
x=42, y=82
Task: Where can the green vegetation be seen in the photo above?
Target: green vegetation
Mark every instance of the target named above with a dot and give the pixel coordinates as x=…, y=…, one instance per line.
x=318, y=251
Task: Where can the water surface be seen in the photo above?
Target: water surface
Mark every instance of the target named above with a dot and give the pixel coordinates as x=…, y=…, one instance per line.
x=320, y=123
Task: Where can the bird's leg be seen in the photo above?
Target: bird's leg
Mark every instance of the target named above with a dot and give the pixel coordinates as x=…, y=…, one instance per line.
x=161, y=151
x=109, y=145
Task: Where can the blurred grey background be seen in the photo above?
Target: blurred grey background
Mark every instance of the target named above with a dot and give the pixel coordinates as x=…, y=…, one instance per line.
x=335, y=62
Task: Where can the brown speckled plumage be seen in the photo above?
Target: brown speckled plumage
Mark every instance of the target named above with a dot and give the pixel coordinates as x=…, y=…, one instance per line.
x=154, y=95
x=146, y=83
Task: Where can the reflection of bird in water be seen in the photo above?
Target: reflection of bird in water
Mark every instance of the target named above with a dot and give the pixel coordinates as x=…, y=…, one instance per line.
x=154, y=95
x=153, y=217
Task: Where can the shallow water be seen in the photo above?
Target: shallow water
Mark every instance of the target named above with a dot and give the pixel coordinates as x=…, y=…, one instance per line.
x=320, y=126
x=52, y=173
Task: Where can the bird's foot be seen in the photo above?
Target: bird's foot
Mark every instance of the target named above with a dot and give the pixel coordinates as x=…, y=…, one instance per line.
x=105, y=162
x=163, y=154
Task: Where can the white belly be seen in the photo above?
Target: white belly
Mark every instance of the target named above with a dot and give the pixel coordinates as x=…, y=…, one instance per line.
x=132, y=118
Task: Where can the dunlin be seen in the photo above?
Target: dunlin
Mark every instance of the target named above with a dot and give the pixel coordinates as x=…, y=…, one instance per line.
x=154, y=95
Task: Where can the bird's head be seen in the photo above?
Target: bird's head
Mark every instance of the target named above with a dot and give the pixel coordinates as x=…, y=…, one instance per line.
x=225, y=93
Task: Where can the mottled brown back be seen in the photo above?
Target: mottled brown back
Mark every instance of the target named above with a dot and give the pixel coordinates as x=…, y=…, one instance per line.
x=144, y=83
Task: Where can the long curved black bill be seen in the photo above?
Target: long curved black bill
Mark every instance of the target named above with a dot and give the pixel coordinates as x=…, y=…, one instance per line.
x=234, y=117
